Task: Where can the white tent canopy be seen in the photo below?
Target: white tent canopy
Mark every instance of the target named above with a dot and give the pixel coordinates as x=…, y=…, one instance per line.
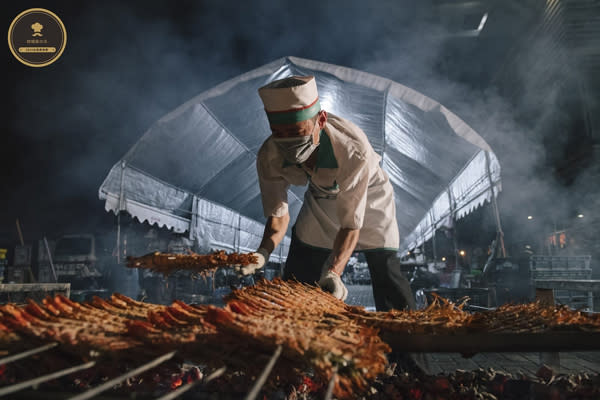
x=194, y=169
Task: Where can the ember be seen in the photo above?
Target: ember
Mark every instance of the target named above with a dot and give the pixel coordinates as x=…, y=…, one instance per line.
x=186, y=376
x=176, y=382
x=308, y=386
x=415, y=394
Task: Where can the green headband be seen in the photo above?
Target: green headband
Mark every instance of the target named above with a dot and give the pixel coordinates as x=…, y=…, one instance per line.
x=291, y=117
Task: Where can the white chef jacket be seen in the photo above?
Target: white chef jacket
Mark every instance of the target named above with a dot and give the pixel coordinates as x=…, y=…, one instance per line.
x=346, y=189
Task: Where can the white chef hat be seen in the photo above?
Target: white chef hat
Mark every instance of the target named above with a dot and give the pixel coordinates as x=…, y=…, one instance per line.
x=289, y=100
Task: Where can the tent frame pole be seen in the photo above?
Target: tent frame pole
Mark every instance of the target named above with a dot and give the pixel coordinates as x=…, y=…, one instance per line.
x=119, y=213
x=194, y=218
x=499, y=231
x=433, y=227
x=454, y=227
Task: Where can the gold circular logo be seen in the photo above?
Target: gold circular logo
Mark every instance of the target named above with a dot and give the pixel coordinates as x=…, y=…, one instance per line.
x=37, y=37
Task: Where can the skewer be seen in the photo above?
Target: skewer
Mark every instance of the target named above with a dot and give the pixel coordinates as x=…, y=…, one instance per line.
x=264, y=375
x=176, y=393
x=36, y=381
x=27, y=353
x=109, y=384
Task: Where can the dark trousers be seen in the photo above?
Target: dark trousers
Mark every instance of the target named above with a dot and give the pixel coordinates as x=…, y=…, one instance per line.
x=390, y=288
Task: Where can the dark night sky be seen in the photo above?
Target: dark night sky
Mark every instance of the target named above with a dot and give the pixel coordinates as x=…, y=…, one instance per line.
x=127, y=64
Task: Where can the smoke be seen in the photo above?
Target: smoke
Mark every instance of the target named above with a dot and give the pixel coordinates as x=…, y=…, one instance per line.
x=128, y=64
x=124, y=67
x=517, y=86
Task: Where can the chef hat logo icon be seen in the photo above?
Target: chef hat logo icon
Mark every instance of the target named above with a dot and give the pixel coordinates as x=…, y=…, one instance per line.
x=37, y=29
x=37, y=37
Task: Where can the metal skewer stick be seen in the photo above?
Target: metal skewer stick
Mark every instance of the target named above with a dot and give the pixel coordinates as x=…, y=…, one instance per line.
x=176, y=393
x=36, y=381
x=264, y=375
x=109, y=384
x=27, y=353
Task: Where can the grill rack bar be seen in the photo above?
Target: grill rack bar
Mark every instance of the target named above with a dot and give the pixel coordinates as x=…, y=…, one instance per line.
x=109, y=384
x=27, y=353
x=176, y=393
x=45, y=378
x=497, y=342
x=330, y=385
x=264, y=375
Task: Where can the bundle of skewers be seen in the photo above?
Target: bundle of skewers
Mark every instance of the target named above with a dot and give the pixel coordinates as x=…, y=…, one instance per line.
x=167, y=263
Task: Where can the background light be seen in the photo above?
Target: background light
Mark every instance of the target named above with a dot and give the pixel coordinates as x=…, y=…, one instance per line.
x=462, y=253
x=443, y=258
x=482, y=22
x=580, y=216
x=529, y=217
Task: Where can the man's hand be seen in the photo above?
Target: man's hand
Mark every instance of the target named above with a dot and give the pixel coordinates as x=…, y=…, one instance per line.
x=262, y=256
x=331, y=282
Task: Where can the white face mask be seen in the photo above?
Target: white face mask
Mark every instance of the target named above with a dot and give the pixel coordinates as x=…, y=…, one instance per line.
x=296, y=149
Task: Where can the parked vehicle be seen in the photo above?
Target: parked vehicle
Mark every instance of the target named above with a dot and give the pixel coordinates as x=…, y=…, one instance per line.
x=76, y=261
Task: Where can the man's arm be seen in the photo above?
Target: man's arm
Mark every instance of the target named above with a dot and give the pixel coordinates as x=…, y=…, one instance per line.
x=343, y=246
x=275, y=229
